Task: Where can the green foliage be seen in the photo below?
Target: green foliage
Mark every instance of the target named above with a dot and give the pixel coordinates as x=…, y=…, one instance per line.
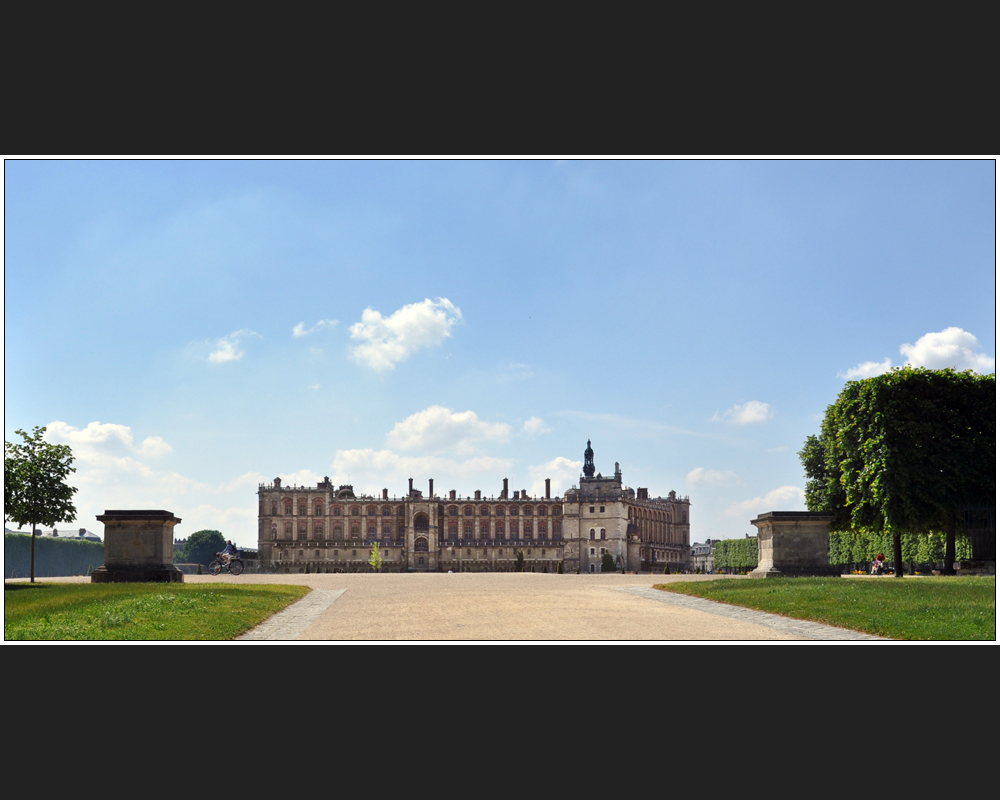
x=902, y=451
x=35, y=491
x=53, y=556
x=559, y=568
x=375, y=561
x=859, y=548
x=737, y=555
x=519, y=562
x=607, y=562
x=201, y=547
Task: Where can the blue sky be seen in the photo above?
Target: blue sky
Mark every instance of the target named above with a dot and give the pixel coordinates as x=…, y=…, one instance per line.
x=191, y=328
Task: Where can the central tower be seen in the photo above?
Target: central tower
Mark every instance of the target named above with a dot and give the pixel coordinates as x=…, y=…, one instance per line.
x=588, y=461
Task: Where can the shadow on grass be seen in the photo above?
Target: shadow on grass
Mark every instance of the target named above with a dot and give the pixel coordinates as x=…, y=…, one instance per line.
x=13, y=587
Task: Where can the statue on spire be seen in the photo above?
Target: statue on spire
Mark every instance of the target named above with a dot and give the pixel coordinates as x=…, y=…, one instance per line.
x=588, y=461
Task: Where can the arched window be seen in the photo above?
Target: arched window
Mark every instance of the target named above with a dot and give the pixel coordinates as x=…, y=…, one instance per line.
x=468, y=530
x=355, y=512
x=371, y=531
x=288, y=508
x=556, y=511
x=453, y=531
x=318, y=532
x=372, y=511
x=556, y=530
x=467, y=511
x=387, y=531
x=484, y=530
x=592, y=532
x=541, y=511
x=527, y=511
x=355, y=532
x=603, y=534
x=542, y=533
x=274, y=531
x=318, y=509
x=513, y=511
x=274, y=508
x=386, y=511
x=336, y=511
x=484, y=511
x=288, y=530
x=420, y=545
x=302, y=508
x=452, y=511
x=338, y=533
x=499, y=532
x=499, y=511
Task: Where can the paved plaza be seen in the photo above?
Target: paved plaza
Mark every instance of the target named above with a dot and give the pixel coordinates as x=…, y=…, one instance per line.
x=515, y=607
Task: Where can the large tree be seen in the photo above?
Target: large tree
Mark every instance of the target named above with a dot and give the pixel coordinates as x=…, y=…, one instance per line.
x=904, y=452
x=35, y=491
x=201, y=547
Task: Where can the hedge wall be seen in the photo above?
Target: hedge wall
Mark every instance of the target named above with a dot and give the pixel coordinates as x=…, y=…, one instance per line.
x=53, y=557
x=850, y=550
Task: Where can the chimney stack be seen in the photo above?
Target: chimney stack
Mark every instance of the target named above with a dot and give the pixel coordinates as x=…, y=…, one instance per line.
x=430, y=491
x=548, y=488
x=504, y=495
x=385, y=494
x=411, y=487
x=451, y=495
x=478, y=495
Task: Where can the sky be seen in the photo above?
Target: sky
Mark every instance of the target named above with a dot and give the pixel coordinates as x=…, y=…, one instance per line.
x=192, y=329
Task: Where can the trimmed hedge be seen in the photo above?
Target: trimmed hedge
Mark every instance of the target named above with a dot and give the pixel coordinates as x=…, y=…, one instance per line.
x=53, y=557
x=851, y=550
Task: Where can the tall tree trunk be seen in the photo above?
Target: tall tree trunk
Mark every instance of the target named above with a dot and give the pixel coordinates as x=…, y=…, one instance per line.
x=34, y=530
x=897, y=554
x=949, y=545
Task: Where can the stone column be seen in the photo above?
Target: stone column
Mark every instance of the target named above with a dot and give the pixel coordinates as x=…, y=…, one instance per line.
x=138, y=547
x=793, y=544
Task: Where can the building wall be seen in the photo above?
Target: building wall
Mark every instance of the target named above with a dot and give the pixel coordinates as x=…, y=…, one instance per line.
x=326, y=529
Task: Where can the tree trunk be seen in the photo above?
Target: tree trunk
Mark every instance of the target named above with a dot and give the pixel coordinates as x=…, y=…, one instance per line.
x=34, y=530
x=949, y=545
x=897, y=554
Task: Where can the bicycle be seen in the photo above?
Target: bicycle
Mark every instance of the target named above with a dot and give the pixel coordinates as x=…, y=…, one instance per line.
x=234, y=566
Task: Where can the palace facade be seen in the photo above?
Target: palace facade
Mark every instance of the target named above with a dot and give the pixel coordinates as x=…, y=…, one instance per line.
x=326, y=529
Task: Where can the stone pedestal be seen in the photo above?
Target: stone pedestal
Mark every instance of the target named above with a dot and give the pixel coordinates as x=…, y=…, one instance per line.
x=793, y=544
x=138, y=548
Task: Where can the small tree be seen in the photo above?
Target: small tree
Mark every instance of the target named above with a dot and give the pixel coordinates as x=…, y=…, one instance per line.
x=519, y=562
x=607, y=562
x=376, y=558
x=35, y=491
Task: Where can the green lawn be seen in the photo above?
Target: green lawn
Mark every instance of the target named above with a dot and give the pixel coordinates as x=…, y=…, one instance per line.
x=913, y=608
x=139, y=611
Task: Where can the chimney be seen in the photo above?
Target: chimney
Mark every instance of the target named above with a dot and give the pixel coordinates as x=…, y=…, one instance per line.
x=504, y=495
x=385, y=494
x=411, y=487
x=430, y=489
x=451, y=495
x=277, y=483
x=548, y=488
x=524, y=494
x=479, y=495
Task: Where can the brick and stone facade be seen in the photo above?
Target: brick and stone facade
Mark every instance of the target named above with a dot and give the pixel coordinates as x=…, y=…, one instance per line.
x=330, y=529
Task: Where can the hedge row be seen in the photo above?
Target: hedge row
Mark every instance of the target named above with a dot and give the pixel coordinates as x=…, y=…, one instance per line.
x=850, y=549
x=53, y=557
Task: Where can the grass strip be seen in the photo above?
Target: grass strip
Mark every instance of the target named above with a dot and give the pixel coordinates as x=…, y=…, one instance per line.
x=929, y=609
x=139, y=611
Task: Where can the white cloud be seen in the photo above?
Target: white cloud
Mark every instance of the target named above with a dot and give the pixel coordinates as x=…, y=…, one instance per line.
x=438, y=428
x=951, y=347
x=98, y=433
x=869, y=369
x=563, y=472
x=228, y=347
x=753, y=411
x=786, y=498
x=371, y=470
x=301, y=329
x=389, y=340
x=535, y=427
x=700, y=476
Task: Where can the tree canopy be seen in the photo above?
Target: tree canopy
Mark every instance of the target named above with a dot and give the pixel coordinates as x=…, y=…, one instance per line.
x=201, y=547
x=35, y=491
x=903, y=452
x=375, y=561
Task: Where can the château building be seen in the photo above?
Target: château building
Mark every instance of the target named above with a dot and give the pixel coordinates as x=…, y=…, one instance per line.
x=325, y=529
